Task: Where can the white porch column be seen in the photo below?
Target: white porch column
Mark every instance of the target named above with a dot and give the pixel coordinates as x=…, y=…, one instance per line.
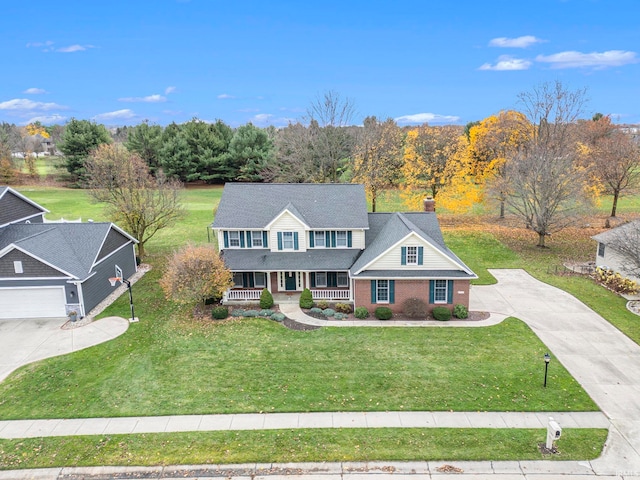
x=307, y=280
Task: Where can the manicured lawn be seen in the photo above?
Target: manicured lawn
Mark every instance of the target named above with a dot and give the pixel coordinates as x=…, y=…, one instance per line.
x=283, y=446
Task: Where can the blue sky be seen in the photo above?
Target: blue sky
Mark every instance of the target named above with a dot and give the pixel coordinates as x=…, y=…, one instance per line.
x=121, y=62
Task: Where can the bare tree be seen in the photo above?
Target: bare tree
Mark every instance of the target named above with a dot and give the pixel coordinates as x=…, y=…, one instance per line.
x=295, y=156
x=544, y=184
x=141, y=203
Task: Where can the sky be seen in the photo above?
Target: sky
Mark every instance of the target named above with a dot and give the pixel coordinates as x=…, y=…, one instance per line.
x=441, y=62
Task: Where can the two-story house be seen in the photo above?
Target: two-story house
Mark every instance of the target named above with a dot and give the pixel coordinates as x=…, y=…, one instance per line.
x=49, y=269
x=288, y=237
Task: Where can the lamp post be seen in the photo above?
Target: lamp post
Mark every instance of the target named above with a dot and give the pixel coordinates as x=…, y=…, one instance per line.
x=113, y=281
x=547, y=359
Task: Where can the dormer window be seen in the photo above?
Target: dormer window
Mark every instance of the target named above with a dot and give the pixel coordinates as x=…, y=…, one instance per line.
x=287, y=240
x=341, y=238
x=234, y=239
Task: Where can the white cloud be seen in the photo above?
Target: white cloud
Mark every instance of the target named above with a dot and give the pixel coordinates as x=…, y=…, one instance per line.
x=47, y=119
x=420, y=118
x=155, y=98
x=507, y=62
x=224, y=96
x=48, y=43
x=48, y=47
x=518, y=42
x=29, y=105
x=169, y=90
x=116, y=115
x=598, y=60
x=266, y=119
x=74, y=48
x=35, y=91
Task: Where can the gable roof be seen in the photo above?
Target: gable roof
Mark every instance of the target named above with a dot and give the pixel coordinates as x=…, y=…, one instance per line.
x=387, y=229
x=608, y=235
x=16, y=207
x=69, y=247
x=320, y=205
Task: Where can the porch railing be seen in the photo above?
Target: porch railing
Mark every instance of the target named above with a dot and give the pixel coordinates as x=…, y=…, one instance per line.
x=242, y=295
x=330, y=294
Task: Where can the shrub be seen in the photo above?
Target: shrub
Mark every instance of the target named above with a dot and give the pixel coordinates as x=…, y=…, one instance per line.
x=266, y=313
x=361, y=313
x=251, y=313
x=237, y=312
x=266, y=299
x=615, y=281
x=415, y=308
x=328, y=312
x=441, y=313
x=383, y=313
x=315, y=310
x=460, y=311
x=339, y=316
x=278, y=317
x=306, y=299
x=219, y=313
x=322, y=304
x=343, y=308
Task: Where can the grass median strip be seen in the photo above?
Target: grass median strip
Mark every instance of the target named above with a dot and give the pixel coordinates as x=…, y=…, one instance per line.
x=321, y=445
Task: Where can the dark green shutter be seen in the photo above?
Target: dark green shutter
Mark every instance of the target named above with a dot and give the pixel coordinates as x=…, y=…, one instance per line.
x=241, y=239
x=403, y=255
x=420, y=255
x=226, y=239
x=327, y=239
x=392, y=291
x=279, y=240
x=450, y=291
x=432, y=291
x=264, y=240
x=312, y=239
x=373, y=292
x=349, y=239
x=313, y=279
x=295, y=240
x=249, y=240
x=333, y=239
x=332, y=279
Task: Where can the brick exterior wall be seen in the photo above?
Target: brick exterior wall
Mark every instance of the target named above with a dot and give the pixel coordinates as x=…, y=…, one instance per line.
x=405, y=289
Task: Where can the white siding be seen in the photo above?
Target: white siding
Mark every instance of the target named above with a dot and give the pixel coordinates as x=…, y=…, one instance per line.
x=358, y=239
x=613, y=260
x=432, y=259
x=287, y=223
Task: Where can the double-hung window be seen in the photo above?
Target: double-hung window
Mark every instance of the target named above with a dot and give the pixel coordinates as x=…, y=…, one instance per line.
x=319, y=239
x=321, y=279
x=343, y=279
x=382, y=291
x=234, y=239
x=287, y=240
x=260, y=279
x=601, y=248
x=341, y=238
x=238, y=280
x=440, y=291
x=256, y=239
x=412, y=255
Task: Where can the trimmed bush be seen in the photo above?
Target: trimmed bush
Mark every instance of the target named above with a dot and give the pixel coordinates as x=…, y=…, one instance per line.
x=315, y=310
x=322, y=304
x=340, y=316
x=306, y=299
x=266, y=313
x=219, y=313
x=460, y=311
x=343, y=308
x=383, y=313
x=328, y=312
x=361, y=313
x=441, y=313
x=415, y=308
x=278, y=317
x=237, y=312
x=251, y=313
x=266, y=299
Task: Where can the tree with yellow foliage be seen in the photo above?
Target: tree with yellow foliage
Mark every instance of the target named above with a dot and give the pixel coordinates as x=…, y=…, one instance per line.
x=377, y=156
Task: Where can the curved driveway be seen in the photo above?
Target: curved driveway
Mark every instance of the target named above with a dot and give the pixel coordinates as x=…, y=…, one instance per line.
x=604, y=360
x=25, y=341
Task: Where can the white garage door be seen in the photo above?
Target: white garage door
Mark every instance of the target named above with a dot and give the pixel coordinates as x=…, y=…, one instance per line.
x=36, y=302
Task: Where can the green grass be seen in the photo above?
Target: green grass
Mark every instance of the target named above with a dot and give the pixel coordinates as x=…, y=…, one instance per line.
x=284, y=446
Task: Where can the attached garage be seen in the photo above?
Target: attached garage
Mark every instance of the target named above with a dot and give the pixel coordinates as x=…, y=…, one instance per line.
x=32, y=302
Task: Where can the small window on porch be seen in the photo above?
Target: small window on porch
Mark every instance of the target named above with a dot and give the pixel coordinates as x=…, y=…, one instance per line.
x=321, y=279
x=260, y=279
x=343, y=279
x=238, y=280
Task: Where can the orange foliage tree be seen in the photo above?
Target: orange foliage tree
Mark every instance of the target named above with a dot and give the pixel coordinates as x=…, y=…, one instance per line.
x=194, y=274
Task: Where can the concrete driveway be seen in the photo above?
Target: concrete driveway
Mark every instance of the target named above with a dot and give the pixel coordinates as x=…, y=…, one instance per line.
x=604, y=360
x=25, y=341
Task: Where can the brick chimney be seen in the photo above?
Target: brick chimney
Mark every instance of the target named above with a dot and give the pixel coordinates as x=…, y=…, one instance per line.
x=429, y=204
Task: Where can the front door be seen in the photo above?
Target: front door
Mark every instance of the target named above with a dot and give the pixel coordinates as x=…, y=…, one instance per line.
x=290, y=281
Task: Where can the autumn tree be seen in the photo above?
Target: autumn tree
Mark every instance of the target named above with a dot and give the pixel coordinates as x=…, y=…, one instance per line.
x=141, y=203
x=377, y=157
x=612, y=157
x=194, y=274
x=429, y=165
x=546, y=185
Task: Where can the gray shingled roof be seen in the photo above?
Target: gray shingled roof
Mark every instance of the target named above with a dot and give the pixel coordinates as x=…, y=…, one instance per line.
x=71, y=247
x=608, y=235
x=263, y=260
x=414, y=274
x=387, y=229
x=321, y=205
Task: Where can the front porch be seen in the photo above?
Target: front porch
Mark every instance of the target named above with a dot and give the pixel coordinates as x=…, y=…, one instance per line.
x=242, y=296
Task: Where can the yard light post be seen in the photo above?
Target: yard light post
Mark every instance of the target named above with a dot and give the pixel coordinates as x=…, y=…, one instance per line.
x=547, y=359
x=113, y=282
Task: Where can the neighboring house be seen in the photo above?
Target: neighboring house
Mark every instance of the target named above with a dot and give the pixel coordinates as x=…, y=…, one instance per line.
x=606, y=253
x=287, y=237
x=50, y=269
